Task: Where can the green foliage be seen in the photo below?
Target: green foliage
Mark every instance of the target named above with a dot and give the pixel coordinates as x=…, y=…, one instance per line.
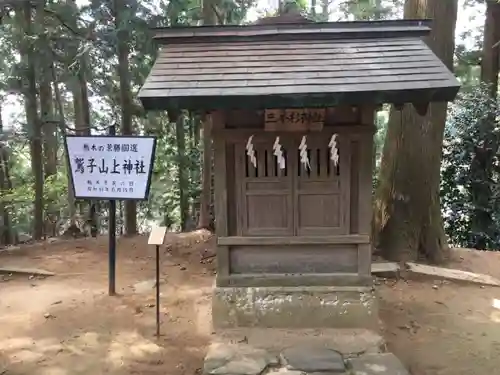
x=470, y=188
x=381, y=121
x=71, y=34
x=367, y=10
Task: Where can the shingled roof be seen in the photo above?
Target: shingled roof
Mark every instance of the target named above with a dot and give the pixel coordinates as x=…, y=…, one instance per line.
x=294, y=65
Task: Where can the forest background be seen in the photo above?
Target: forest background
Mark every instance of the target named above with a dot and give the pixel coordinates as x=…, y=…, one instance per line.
x=75, y=67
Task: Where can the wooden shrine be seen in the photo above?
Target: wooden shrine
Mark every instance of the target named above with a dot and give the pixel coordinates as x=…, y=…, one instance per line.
x=293, y=196
x=291, y=109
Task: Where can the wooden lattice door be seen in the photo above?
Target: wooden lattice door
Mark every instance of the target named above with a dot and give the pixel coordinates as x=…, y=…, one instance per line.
x=295, y=200
x=265, y=196
x=321, y=190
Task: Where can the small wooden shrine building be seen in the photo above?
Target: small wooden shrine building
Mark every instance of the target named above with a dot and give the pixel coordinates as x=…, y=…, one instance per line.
x=292, y=109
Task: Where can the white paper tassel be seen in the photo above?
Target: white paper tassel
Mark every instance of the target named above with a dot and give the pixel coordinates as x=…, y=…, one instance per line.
x=279, y=154
x=251, y=152
x=304, y=158
x=334, y=152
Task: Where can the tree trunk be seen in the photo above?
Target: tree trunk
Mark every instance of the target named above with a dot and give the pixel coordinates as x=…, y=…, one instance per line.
x=30, y=102
x=62, y=129
x=377, y=11
x=125, y=100
x=46, y=100
x=181, y=162
x=6, y=235
x=50, y=152
x=204, y=219
x=79, y=87
x=49, y=129
x=407, y=218
x=325, y=11
x=208, y=12
x=491, y=56
x=209, y=18
x=79, y=90
x=48, y=126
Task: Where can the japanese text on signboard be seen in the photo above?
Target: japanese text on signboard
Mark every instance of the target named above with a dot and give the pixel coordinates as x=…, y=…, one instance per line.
x=110, y=166
x=294, y=119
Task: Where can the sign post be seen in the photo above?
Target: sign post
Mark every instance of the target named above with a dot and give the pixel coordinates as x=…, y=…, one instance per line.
x=157, y=238
x=112, y=237
x=110, y=167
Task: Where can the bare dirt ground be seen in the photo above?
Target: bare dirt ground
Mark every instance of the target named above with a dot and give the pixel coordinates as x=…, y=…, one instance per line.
x=67, y=325
x=443, y=328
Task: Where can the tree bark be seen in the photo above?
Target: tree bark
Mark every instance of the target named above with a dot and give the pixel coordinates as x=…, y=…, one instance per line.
x=6, y=234
x=181, y=163
x=46, y=100
x=47, y=123
x=491, y=50
x=125, y=99
x=79, y=87
x=407, y=216
x=49, y=151
x=206, y=181
x=62, y=129
x=209, y=18
x=33, y=122
x=325, y=11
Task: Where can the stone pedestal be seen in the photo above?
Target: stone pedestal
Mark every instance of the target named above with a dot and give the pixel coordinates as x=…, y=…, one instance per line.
x=295, y=307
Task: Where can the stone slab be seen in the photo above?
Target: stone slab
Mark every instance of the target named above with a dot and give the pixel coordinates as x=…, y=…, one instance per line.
x=350, y=342
x=285, y=371
x=26, y=271
x=310, y=359
x=385, y=269
x=452, y=274
x=237, y=359
x=377, y=364
x=295, y=307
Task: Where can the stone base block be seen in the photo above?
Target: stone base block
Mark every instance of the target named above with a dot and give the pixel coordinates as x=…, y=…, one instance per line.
x=295, y=307
x=245, y=359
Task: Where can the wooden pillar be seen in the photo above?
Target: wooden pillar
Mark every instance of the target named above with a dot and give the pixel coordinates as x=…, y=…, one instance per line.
x=365, y=196
x=220, y=196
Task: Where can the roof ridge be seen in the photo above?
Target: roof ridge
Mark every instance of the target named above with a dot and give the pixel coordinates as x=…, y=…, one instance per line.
x=296, y=30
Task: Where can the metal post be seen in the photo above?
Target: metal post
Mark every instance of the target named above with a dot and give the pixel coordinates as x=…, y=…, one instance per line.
x=157, y=291
x=112, y=237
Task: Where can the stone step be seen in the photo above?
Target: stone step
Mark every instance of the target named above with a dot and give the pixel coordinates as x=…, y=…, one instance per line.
x=244, y=359
x=349, y=342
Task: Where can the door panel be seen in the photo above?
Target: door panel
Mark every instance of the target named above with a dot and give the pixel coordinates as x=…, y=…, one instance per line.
x=297, y=200
x=265, y=194
x=318, y=190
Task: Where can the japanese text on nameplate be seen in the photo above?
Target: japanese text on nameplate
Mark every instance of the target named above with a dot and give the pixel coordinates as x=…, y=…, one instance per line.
x=104, y=167
x=111, y=167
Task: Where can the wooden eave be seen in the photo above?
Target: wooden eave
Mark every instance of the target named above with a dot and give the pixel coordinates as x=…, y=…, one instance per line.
x=296, y=65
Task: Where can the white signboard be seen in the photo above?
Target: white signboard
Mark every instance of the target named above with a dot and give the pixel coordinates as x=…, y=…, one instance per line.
x=111, y=167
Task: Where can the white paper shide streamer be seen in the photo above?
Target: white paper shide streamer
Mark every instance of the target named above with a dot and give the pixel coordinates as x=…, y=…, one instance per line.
x=334, y=151
x=279, y=153
x=304, y=158
x=251, y=152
